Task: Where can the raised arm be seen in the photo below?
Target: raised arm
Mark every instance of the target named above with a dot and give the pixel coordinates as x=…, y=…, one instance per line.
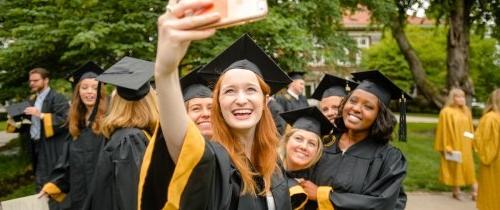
x=175, y=32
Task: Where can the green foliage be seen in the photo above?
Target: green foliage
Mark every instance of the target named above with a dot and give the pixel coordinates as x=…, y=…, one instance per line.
x=430, y=45
x=63, y=34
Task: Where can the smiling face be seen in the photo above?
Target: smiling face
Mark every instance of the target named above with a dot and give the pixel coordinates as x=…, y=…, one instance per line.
x=459, y=98
x=198, y=110
x=329, y=106
x=360, y=110
x=302, y=148
x=241, y=99
x=88, y=91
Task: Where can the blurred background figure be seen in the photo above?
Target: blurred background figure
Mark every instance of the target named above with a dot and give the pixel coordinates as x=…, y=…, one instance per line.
x=454, y=135
x=487, y=143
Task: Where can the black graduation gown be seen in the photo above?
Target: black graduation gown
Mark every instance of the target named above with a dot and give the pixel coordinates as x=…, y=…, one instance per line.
x=289, y=103
x=369, y=175
x=116, y=177
x=276, y=109
x=298, y=196
x=204, y=178
x=75, y=169
x=53, y=135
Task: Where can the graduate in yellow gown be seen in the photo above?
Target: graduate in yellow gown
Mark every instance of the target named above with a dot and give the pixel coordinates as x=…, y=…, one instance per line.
x=454, y=134
x=487, y=143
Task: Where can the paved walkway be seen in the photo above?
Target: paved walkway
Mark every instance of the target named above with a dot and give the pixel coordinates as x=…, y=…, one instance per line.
x=438, y=201
x=6, y=137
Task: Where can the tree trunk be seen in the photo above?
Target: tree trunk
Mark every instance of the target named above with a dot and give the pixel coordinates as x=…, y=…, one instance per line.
x=428, y=90
x=458, y=47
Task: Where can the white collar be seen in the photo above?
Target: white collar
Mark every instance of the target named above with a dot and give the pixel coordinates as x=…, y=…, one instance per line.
x=293, y=94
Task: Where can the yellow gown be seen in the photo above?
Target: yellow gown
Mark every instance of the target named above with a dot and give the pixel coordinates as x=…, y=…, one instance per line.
x=451, y=134
x=488, y=147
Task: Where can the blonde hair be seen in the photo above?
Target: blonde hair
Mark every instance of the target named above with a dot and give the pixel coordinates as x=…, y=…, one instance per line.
x=450, y=101
x=283, y=153
x=142, y=114
x=493, y=103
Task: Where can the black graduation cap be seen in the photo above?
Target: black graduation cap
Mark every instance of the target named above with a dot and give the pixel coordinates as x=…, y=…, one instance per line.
x=333, y=86
x=310, y=119
x=194, y=86
x=17, y=109
x=244, y=53
x=296, y=75
x=88, y=70
x=376, y=83
x=130, y=76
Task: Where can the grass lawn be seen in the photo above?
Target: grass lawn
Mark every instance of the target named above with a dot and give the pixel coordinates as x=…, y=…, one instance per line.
x=423, y=161
x=3, y=124
x=20, y=192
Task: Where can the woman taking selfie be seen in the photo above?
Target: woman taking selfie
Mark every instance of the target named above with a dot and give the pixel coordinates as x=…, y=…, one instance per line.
x=88, y=107
x=362, y=170
x=238, y=168
x=301, y=149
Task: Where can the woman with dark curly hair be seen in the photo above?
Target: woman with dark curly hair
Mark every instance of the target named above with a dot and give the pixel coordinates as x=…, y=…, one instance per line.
x=362, y=170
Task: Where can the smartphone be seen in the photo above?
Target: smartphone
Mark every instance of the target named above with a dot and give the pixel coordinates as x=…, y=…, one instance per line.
x=236, y=12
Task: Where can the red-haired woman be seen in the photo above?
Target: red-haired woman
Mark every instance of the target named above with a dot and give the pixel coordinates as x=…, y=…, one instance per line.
x=239, y=168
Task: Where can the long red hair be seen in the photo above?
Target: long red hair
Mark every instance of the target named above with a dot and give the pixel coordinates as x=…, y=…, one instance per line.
x=78, y=111
x=264, y=154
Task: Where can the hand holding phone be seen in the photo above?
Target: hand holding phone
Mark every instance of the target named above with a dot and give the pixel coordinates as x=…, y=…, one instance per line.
x=235, y=12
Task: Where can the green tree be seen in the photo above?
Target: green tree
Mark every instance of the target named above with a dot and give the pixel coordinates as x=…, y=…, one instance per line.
x=63, y=34
x=430, y=44
x=462, y=16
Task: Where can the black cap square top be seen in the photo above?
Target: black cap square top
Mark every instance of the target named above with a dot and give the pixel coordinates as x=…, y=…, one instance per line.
x=376, y=83
x=310, y=119
x=131, y=77
x=244, y=53
x=333, y=86
x=87, y=70
x=193, y=85
x=296, y=75
x=17, y=109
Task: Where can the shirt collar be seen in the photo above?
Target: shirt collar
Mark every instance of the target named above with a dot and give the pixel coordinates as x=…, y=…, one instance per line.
x=44, y=92
x=293, y=94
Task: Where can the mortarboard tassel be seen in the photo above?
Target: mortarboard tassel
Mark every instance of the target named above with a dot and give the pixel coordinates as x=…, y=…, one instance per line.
x=402, y=118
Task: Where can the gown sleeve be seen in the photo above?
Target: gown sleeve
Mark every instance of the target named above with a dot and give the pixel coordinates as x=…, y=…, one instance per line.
x=384, y=193
x=54, y=120
x=488, y=138
x=189, y=184
x=443, y=132
x=297, y=194
x=58, y=185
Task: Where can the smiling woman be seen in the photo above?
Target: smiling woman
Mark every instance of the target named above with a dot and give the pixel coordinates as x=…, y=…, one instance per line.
x=301, y=148
x=361, y=170
x=238, y=168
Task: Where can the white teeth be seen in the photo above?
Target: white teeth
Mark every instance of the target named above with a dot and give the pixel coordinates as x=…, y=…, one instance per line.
x=242, y=111
x=353, y=118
